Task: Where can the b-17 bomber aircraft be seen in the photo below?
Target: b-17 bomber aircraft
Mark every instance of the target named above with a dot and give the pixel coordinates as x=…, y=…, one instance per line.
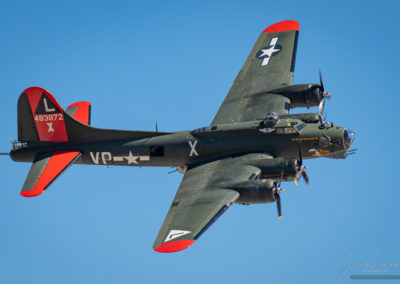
x=251, y=146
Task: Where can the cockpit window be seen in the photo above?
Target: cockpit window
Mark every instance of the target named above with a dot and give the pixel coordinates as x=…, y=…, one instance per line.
x=300, y=126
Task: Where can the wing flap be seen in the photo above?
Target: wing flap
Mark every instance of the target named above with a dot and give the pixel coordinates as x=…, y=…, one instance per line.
x=45, y=169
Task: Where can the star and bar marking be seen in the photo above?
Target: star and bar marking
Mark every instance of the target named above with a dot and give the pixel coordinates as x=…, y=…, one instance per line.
x=106, y=157
x=267, y=52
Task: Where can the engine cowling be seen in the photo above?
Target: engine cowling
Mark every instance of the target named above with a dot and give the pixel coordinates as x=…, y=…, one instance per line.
x=255, y=191
x=302, y=95
x=278, y=169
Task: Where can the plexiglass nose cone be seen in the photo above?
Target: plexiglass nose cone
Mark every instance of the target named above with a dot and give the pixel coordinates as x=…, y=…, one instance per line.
x=348, y=137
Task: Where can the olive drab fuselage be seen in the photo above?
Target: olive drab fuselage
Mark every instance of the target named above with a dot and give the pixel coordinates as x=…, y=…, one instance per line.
x=187, y=148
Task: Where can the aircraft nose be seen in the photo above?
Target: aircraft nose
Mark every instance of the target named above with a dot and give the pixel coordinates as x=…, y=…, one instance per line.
x=348, y=137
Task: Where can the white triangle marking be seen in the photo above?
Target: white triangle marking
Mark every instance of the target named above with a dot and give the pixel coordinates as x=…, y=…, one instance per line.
x=173, y=234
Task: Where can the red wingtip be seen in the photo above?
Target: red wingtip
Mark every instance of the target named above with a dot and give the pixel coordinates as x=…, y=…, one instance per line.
x=174, y=246
x=31, y=193
x=283, y=26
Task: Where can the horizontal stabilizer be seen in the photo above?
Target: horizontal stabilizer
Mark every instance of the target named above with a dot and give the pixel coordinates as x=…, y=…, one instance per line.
x=80, y=111
x=45, y=169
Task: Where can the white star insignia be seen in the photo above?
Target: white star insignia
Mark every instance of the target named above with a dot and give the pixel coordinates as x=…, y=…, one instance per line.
x=266, y=53
x=131, y=159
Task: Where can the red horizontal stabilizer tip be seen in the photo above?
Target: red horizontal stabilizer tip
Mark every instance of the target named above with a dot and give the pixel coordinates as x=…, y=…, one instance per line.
x=31, y=193
x=174, y=246
x=82, y=113
x=57, y=163
x=288, y=25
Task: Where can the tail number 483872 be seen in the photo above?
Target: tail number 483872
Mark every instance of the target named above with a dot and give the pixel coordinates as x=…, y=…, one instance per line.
x=49, y=117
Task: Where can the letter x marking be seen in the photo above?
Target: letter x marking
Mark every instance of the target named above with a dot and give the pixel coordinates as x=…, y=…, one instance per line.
x=50, y=125
x=192, y=145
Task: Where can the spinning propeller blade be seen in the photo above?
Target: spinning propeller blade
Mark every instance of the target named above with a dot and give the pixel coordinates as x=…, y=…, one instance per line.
x=323, y=94
x=277, y=197
x=301, y=170
x=278, y=204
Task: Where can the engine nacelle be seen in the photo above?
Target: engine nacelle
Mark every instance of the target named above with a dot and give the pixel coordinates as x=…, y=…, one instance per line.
x=279, y=169
x=255, y=191
x=303, y=95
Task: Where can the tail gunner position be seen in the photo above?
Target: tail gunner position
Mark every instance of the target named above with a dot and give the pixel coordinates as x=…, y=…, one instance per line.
x=251, y=146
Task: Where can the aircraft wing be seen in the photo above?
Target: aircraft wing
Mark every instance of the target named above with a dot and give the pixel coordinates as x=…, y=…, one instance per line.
x=269, y=66
x=202, y=197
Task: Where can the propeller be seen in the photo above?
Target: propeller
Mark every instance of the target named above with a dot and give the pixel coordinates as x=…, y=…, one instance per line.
x=277, y=191
x=301, y=170
x=323, y=94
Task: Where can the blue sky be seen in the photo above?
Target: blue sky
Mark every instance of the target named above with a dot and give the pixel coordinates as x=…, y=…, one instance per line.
x=146, y=61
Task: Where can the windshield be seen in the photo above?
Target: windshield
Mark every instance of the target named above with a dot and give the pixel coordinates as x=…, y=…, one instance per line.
x=300, y=126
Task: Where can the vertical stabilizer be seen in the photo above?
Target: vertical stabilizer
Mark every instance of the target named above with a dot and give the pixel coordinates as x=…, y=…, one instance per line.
x=40, y=117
